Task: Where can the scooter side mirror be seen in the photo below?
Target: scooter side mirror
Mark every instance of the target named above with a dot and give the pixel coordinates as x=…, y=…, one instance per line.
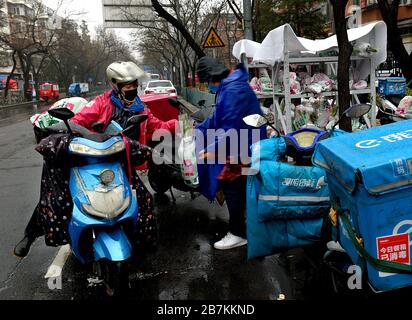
x=355, y=112
x=98, y=127
x=61, y=113
x=358, y=110
x=255, y=120
x=202, y=114
x=137, y=119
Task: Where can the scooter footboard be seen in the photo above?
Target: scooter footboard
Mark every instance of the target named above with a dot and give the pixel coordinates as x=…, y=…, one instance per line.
x=112, y=245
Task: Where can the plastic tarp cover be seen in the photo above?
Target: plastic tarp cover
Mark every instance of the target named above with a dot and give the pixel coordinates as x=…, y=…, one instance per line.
x=271, y=236
x=283, y=39
x=245, y=46
x=381, y=158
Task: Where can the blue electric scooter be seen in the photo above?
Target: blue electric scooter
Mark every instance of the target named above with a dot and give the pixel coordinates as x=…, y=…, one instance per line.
x=105, y=210
x=288, y=203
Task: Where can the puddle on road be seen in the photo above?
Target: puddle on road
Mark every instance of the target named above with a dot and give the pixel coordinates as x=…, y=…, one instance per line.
x=19, y=113
x=94, y=282
x=146, y=276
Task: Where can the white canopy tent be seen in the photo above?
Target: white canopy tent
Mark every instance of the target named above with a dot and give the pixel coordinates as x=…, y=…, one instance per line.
x=283, y=39
x=247, y=47
x=282, y=46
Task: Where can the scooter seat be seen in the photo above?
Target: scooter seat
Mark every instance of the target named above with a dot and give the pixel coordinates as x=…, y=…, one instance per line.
x=202, y=114
x=89, y=135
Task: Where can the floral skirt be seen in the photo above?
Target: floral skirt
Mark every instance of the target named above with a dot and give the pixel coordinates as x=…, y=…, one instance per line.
x=55, y=209
x=147, y=228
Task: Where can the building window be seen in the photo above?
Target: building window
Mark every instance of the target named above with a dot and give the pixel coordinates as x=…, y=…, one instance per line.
x=16, y=11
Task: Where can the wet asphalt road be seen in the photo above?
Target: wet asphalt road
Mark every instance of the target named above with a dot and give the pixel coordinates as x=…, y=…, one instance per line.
x=184, y=266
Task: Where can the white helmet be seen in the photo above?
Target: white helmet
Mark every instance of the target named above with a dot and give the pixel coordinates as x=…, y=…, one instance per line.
x=123, y=72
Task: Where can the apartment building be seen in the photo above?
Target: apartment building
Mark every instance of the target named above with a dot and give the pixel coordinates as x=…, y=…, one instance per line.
x=20, y=15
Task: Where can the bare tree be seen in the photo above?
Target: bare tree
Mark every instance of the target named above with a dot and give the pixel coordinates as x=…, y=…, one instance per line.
x=78, y=54
x=179, y=26
x=3, y=15
x=389, y=11
x=163, y=39
x=231, y=31
x=32, y=40
x=345, y=52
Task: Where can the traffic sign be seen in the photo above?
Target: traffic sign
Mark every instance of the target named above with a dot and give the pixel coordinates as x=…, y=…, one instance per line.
x=213, y=40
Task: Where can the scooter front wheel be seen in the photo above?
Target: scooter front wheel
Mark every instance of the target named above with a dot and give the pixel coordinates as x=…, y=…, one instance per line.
x=117, y=278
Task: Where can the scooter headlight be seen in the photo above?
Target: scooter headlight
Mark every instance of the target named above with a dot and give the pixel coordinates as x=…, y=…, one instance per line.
x=107, y=176
x=81, y=149
x=107, y=204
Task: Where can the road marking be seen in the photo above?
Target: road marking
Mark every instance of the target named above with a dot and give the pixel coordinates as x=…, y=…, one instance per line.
x=56, y=268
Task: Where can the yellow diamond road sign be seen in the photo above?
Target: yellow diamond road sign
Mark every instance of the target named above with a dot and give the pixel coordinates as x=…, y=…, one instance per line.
x=213, y=40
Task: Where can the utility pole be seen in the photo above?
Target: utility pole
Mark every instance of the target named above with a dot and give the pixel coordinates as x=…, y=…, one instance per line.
x=247, y=19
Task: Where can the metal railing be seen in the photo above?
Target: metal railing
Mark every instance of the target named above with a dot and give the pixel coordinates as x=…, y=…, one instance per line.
x=13, y=97
x=194, y=95
x=16, y=97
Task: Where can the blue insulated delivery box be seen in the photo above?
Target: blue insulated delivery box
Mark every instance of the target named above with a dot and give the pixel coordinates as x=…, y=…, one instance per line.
x=369, y=174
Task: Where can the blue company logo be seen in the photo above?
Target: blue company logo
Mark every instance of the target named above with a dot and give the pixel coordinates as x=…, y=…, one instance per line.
x=392, y=138
x=400, y=167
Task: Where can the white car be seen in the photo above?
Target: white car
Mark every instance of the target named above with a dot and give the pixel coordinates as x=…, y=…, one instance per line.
x=160, y=87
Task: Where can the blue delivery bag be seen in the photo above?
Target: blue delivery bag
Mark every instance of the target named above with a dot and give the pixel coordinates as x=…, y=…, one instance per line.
x=285, y=203
x=292, y=192
x=392, y=86
x=369, y=174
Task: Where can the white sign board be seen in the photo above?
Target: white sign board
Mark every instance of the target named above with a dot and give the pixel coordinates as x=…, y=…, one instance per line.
x=124, y=13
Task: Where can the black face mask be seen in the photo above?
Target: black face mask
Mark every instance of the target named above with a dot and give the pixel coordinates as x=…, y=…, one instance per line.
x=130, y=95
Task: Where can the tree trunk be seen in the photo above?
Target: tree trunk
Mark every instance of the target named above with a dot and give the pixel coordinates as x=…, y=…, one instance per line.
x=36, y=74
x=345, y=51
x=36, y=79
x=179, y=26
x=25, y=66
x=389, y=14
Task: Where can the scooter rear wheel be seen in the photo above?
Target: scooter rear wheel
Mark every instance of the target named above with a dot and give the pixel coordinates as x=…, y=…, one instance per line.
x=158, y=180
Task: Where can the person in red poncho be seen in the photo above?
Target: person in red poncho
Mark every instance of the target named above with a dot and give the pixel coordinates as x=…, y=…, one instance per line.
x=121, y=103
x=118, y=104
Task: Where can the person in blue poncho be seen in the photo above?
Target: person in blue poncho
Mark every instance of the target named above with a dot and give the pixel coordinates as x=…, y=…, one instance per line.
x=222, y=152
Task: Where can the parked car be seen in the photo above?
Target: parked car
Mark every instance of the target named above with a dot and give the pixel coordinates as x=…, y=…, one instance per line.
x=78, y=89
x=160, y=87
x=49, y=91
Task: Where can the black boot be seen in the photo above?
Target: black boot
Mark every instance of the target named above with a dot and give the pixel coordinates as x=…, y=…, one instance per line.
x=23, y=247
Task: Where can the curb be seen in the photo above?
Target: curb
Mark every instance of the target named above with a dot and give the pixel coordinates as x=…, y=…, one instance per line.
x=39, y=101
x=19, y=104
